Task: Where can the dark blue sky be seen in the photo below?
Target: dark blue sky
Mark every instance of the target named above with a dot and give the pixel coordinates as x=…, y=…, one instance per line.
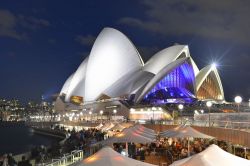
x=42, y=42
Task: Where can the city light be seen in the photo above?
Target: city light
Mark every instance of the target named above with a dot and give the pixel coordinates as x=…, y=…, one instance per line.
x=153, y=108
x=209, y=104
x=101, y=112
x=132, y=110
x=214, y=65
x=180, y=106
x=238, y=99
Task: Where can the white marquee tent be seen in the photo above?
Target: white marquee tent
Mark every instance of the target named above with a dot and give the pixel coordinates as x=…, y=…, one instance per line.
x=118, y=127
x=184, y=132
x=107, y=156
x=212, y=156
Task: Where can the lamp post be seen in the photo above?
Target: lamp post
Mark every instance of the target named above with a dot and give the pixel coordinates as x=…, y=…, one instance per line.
x=115, y=111
x=154, y=109
x=209, y=105
x=238, y=100
x=180, y=107
x=245, y=152
x=90, y=113
x=101, y=112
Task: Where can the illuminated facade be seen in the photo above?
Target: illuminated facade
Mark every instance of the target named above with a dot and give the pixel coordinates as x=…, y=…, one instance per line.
x=174, y=86
x=114, y=70
x=208, y=84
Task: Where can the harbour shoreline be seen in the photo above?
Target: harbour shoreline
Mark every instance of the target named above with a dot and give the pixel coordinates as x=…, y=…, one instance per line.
x=38, y=130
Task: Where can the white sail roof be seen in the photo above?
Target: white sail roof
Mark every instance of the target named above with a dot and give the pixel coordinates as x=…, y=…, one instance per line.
x=65, y=87
x=165, y=57
x=77, y=84
x=202, y=75
x=111, y=57
x=129, y=84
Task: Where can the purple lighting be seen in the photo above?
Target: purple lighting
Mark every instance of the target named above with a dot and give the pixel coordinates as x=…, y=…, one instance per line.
x=178, y=84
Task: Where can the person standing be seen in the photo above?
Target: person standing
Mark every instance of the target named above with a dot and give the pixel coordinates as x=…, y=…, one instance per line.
x=11, y=160
x=5, y=160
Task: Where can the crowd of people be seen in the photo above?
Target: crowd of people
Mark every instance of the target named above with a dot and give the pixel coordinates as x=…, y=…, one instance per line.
x=8, y=160
x=169, y=149
x=82, y=139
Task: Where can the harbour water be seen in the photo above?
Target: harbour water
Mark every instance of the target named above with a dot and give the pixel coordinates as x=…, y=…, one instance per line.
x=17, y=138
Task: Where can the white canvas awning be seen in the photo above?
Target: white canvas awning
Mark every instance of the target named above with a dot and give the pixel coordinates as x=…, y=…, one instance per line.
x=117, y=127
x=213, y=156
x=107, y=126
x=99, y=126
x=184, y=132
x=128, y=136
x=142, y=128
x=141, y=132
x=108, y=157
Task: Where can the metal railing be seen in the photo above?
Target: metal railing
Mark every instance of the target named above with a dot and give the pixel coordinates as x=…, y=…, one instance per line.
x=236, y=125
x=67, y=159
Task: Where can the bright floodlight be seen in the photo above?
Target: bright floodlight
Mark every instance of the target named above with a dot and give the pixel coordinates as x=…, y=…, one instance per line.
x=90, y=112
x=132, y=110
x=180, y=106
x=114, y=111
x=209, y=104
x=101, y=112
x=214, y=65
x=238, y=99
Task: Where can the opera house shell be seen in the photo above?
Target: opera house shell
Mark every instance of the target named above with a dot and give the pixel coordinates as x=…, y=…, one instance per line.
x=115, y=71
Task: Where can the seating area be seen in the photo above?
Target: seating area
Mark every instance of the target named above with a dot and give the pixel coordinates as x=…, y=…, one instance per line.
x=136, y=142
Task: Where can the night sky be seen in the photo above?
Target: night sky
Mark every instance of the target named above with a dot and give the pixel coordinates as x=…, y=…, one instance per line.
x=43, y=41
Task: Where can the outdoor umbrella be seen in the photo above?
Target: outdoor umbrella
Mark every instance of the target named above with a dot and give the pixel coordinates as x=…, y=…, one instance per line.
x=212, y=156
x=107, y=156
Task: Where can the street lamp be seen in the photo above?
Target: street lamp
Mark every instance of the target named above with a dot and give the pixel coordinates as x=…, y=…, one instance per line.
x=90, y=113
x=115, y=111
x=209, y=105
x=101, y=112
x=154, y=109
x=180, y=107
x=238, y=100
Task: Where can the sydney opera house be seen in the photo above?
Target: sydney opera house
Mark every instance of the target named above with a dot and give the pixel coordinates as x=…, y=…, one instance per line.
x=115, y=75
